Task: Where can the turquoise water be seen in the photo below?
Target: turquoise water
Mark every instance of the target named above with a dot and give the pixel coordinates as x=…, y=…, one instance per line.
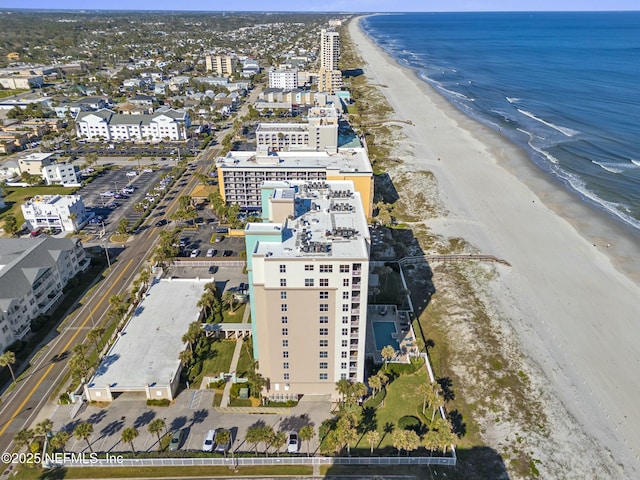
x=382, y=332
x=562, y=85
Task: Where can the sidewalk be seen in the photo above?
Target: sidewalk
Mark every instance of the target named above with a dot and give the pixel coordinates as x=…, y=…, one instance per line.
x=234, y=360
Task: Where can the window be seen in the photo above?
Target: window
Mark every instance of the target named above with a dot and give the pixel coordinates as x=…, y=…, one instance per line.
x=345, y=343
x=345, y=319
x=283, y=269
x=345, y=295
x=324, y=376
x=326, y=268
x=283, y=295
x=343, y=376
x=324, y=319
x=324, y=331
x=324, y=282
x=344, y=268
x=343, y=354
x=324, y=307
x=285, y=331
x=324, y=343
x=285, y=365
x=324, y=295
x=283, y=307
x=343, y=365
x=285, y=343
x=308, y=268
x=345, y=282
x=283, y=282
x=345, y=331
x=345, y=307
x=324, y=365
x=285, y=376
x=308, y=282
x=285, y=319
x=324, y=354
x=285, y=354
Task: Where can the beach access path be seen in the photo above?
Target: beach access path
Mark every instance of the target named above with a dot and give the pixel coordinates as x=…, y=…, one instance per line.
x=573, y=302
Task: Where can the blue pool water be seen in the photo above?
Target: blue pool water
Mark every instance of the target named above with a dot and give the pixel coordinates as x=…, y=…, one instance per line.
x=382, y=332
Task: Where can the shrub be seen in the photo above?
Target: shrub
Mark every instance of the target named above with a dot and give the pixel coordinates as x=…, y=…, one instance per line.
x=376, y=400
x=216, y=384
x=64, y=399
x=163, y=402
x=409, y=422
x=194, y=371
x=398, y=369
x=288, y=403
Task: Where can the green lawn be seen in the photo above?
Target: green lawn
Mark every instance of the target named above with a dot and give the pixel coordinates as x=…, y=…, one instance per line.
x=402, y=399
x=16, y=196
x=245, y=362
x=238, y=313
x=218, y=360
x=9, y=93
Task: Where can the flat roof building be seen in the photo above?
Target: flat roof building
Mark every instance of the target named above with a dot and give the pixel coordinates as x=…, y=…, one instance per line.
x=144, y=357
x=241, y=173
x=66, y=212
x=308, y=277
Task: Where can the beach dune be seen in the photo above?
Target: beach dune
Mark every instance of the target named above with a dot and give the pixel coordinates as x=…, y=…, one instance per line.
x=572, y=292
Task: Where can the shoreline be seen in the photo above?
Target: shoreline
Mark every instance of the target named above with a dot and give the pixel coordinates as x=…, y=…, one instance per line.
x=571, y=299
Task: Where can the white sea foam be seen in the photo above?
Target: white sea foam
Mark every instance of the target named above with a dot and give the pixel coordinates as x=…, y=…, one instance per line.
x=609, y=167
x=455, y=94
x=564, y=130
x=635, y=162
x=512, y=99
x=542, y=152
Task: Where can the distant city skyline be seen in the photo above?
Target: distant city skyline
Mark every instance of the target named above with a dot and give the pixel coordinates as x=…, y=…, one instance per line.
x=339, y=5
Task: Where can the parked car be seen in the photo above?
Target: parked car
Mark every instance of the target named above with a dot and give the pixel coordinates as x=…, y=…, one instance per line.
x=160, y=223
x=195, y=253
x=176, y=440
x=207, y=444
x=292, y=442
x=210, y=252
x=227, y=253
x=131, y=174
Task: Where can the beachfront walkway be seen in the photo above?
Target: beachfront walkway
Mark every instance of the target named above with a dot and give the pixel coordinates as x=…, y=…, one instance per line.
x=234, y=359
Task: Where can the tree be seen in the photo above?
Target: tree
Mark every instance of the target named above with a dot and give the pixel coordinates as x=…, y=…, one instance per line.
x=426, y=392
x=266, y=437
x=10, y=224
x=254, y=436
x=59, y=440
x=7, y=359
x=145, y=276
x=206, y=302
x=43, y=428
x=444, y=437
x=347, y=432
x=387, y=353
x=357, y=391
x=84, y=430
x=23, y=437
x=95, y=334
x=398, y=437
x=375, y=383
x=373, y=437
x=437, y=400
x=192, y=335
x=156, y=426
x=123, y=226
x=277, y=441
x=223, y=437
x=185, y=356
x=342, y=386
x=411, y=441
x=129, y=434
x=228, y=298
x=306, y=435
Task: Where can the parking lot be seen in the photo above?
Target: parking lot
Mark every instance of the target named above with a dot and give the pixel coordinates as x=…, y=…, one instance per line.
x=104, y=197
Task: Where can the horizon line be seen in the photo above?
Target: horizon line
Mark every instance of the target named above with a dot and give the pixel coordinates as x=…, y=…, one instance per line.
x=342, y=12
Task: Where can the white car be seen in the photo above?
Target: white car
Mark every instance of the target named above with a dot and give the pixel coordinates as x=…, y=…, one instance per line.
x=207, y=445
x=292, y=442
x=195, y=253
x=108, y=193
x=131, y=174
x=210, y=252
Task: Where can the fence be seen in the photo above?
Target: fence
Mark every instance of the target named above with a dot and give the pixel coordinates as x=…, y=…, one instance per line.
x=451, y=258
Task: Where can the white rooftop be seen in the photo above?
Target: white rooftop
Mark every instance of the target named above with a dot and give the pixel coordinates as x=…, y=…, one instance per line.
x=60, y=200
x=147, y=351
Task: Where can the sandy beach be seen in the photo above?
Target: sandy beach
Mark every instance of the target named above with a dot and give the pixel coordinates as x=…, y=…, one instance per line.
x=572, y=293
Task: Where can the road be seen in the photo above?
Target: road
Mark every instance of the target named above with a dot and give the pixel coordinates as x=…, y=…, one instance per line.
x=21, y=405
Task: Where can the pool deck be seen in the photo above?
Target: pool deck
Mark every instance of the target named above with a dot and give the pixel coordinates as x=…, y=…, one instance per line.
x=404, y=332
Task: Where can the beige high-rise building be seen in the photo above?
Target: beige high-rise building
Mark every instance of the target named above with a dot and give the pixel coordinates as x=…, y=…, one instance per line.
x=308, y=278
x=329, y=81
x=222, y=65
x=329, y=49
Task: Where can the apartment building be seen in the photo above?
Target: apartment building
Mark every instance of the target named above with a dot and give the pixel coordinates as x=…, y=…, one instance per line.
x=329, y=49
x=223, y=65
x=286, y=79
x=241, y=173
x=319, y=133
x=13, y=82
x=308, y=273
x=329, y=81
x=60, y=173
x=33, y=273
x=164, y=123
x=66, y=212
x=33, y=163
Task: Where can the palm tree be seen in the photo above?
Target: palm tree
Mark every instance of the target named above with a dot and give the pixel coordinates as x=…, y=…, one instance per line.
x=157, y=426
x=342, y=386
x=59, y=440
x=266, y=436
x=426, y=392
x=7, y=359
x=193, y=332
x=375, y=384
x=129, y=434
x=437, y=400
x=123, y=226
x=347, y=432
x=277, y=441
x=44, y=427
x=145, y=276
x=185, y=357
x=23, y=437
x=411, y=441
x=207, y=301
x=228, y=298
x=373, y=437
x=357, y=391
x=95, y=334
x=306, y=435
x=387, y=353
x=254, y=436
x=84, y=430
x=222, y=438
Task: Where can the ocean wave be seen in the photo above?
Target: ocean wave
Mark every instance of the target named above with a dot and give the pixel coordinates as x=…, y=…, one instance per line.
x=569, y=132
x=454, y=93
x=612, y=207
x=635, y=162
x=512, y=99
x=608, y=167
x=542, y=152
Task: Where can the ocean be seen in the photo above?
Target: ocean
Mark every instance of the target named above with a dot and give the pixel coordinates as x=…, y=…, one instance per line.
x=563, y=86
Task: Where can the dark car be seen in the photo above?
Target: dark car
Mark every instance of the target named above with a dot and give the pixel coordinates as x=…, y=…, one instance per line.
x=176, y=440
x=227, y=253
x=160, y=223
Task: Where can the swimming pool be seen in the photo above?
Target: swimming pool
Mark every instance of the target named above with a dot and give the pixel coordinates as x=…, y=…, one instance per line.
x=382, y=333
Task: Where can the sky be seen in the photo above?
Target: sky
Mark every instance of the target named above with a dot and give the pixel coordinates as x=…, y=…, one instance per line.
x=334, y=5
